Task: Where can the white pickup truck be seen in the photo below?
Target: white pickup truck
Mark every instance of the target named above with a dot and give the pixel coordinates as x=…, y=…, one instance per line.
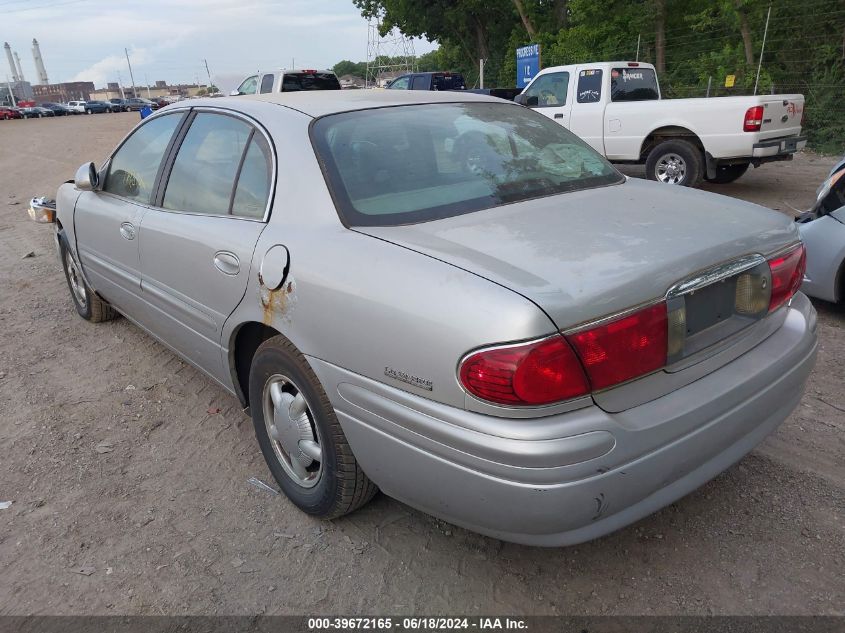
x=616, y=108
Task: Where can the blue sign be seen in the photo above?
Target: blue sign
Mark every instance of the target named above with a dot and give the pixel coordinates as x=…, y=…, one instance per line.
x=527, y=64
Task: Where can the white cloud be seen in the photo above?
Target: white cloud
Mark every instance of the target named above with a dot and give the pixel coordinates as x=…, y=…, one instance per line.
x=107, y=68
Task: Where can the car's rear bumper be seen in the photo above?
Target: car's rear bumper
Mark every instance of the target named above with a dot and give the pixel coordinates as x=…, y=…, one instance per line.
x=779, y=148
x=572, y=477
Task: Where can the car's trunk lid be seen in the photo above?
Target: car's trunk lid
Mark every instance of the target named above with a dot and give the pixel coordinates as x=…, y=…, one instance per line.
x=586, y=254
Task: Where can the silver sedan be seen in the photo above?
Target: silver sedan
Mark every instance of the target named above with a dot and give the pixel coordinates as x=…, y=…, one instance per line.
x=450, y=298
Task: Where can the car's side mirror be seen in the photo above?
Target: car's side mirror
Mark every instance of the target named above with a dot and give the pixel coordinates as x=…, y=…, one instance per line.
x=86, y=177
x=235, y=93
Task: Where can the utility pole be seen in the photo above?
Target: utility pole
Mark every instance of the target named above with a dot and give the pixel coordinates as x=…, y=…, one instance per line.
x=762, y=49
x=208, y=72
x=481, y=73
x=639, y=35
x=131, y=76
x=147, y=81
x=120, y=85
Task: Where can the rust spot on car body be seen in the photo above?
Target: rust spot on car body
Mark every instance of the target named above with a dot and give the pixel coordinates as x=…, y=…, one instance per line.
x=275, y=303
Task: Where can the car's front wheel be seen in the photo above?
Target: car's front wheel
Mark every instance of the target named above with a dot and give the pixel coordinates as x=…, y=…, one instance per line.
x=88, y=303
x=300, y=436
x=675, y=162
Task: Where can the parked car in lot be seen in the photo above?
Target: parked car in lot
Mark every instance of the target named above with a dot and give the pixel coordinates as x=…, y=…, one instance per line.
x=97, y=107
x=76, y=107
x=119, y=105
x=7, y=113
x=287, y=81
x=448, y=297
x=822, y=229
x=429, y=81
x=158, y=102
x=35, y=112
x=58, y=109
x=135, y=104
x=617, y=108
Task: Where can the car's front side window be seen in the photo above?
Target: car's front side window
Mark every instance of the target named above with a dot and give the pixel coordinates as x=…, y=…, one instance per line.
x=249, y=85
x=550, y=89
x=204, y=172
x=134, y=166
x=402, y=83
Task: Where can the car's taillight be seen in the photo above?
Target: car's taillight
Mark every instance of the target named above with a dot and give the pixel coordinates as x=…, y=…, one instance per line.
x=753, y=119
x=535, y=373
x=787, y=275
x=624, y=348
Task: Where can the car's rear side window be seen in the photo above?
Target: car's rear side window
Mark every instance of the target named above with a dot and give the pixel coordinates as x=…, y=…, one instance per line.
x=420, y=82
x=267, y=84
x=134, y=166
x=253, y=188
x=407, y=164
x=589, y=86
x=205, y=168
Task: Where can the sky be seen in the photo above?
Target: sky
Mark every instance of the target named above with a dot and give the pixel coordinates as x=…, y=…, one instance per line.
x=84, y=40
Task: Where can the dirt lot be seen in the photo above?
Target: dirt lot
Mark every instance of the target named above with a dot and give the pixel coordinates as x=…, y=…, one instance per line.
x=131, y=496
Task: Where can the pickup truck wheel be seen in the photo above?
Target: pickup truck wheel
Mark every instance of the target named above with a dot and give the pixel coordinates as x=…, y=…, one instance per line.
x=88, y=303
x=300, y=436
x=728, y=173
x=675, y=162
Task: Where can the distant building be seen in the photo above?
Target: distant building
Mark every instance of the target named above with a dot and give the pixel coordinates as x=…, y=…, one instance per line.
x=385, y=78
x=351, y=81
x=21, y=89
x=64, y=92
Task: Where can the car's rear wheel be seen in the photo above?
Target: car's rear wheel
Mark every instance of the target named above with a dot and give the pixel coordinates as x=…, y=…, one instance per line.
x=300, y=436
x=675, y=162
x=88, y=303
x=728, y=173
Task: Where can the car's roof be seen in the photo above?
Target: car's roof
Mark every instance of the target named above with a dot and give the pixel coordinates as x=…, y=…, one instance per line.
x=317, y=103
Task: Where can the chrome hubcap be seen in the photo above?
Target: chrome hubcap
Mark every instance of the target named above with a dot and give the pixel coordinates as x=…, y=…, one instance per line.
x=77, y=286
x=293, y=434
x=671, y=169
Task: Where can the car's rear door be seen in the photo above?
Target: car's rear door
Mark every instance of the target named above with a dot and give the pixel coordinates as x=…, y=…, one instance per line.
x=107, y=220
x=197, y=244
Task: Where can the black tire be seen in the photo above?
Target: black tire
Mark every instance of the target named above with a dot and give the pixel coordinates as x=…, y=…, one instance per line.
x=728, y=173
x=108, y=110
x=87, y=111
x=342, y=486
x=93, y=309
x=690, y=157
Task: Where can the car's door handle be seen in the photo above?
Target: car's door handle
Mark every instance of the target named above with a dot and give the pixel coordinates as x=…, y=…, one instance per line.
x=227, y=263
x=558, y=116
x=127, y=231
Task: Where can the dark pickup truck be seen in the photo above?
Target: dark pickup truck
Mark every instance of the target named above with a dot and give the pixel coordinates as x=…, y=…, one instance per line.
x=428, y=81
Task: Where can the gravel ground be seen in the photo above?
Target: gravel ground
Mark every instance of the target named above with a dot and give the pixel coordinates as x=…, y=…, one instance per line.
x=128, y=474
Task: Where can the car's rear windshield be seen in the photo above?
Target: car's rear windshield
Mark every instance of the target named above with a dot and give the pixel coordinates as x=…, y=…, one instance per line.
x=451, y=81
x=293, y=82
x=633, y=84
x=409, y=164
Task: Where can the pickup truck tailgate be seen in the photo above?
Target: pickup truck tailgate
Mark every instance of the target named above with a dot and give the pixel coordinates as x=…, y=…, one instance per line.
x=782, y=115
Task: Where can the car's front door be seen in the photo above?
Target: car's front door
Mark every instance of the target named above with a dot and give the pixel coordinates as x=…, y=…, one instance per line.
x=107, y=220
x=552, y=93
x=197, y=245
